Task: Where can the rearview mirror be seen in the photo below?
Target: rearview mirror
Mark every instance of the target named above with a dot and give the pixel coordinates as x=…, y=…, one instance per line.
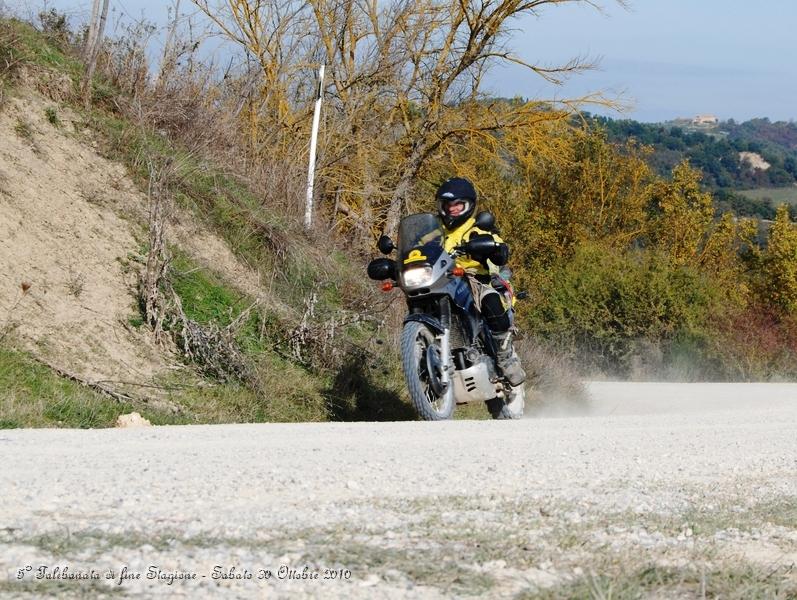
x=485, y=220
x=380, y=269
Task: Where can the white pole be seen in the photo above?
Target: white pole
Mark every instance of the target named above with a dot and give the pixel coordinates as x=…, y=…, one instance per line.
x=308, y=213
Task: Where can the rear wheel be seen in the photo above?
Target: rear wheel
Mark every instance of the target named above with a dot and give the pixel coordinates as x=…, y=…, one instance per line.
x=423, y=371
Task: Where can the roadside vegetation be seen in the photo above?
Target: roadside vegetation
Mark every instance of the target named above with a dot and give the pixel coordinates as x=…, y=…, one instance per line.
x=297, y=368
x=631, y=273
x=35, y=396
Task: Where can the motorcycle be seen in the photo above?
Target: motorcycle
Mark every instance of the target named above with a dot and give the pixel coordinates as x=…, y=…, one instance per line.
x=447, y=350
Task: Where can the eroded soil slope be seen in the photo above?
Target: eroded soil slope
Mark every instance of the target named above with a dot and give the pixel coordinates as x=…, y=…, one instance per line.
x=72, y=234
x=61, y=233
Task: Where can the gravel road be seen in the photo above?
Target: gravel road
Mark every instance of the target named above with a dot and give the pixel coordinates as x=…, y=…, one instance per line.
x=661, y=489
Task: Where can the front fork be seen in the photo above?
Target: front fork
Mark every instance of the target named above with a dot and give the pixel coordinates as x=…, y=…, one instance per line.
x=444, y=339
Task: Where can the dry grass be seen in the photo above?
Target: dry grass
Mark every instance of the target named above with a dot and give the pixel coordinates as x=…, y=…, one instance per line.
x=10, y=56
x=728, y=581
x=76, y=283
x=32, y=395
x=27, y=132
x=24, y=130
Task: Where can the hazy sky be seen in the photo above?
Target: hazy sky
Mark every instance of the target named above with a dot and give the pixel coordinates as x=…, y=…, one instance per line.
x=666, y=58
x=669, y=58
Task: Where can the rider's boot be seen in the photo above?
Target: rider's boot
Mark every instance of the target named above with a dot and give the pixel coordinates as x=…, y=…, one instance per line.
x=507, y=358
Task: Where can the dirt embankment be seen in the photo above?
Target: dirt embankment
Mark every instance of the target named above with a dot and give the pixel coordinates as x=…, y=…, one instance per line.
x=71, y=238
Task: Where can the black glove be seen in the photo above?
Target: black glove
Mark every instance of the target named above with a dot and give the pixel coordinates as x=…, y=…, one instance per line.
x=501, y=255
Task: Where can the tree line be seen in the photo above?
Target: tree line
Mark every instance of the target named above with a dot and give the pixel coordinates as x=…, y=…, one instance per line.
x=716, y=151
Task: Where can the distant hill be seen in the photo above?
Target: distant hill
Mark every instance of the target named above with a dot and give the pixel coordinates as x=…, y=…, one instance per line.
x=748, y=165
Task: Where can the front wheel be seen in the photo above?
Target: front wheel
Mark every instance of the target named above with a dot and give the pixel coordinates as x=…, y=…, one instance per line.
x=423, y=371
x=511, y=409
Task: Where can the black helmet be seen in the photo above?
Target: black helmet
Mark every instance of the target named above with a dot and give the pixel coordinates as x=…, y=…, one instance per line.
x=456, y=189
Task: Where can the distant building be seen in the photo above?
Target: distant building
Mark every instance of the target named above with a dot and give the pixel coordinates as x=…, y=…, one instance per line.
x=705, y=120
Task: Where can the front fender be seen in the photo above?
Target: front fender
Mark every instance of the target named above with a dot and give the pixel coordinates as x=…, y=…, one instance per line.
x=428, y=320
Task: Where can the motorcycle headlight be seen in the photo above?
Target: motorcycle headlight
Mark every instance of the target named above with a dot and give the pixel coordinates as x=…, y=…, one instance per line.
x=416, y=277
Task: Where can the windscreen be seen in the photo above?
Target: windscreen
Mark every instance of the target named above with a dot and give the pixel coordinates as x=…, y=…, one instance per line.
x=419, y=230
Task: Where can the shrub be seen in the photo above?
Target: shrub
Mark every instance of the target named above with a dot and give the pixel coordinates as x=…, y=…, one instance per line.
x=756, y=342
x=620, y=312
x=55, y=27
x=52, y=116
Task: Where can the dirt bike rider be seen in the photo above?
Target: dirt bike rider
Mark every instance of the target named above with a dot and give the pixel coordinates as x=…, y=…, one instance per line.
x=456, y=205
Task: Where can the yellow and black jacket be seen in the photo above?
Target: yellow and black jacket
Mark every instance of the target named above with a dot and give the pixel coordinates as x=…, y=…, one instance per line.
x=460, y=235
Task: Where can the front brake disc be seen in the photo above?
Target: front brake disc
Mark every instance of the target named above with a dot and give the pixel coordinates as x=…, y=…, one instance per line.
x=434, y=368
